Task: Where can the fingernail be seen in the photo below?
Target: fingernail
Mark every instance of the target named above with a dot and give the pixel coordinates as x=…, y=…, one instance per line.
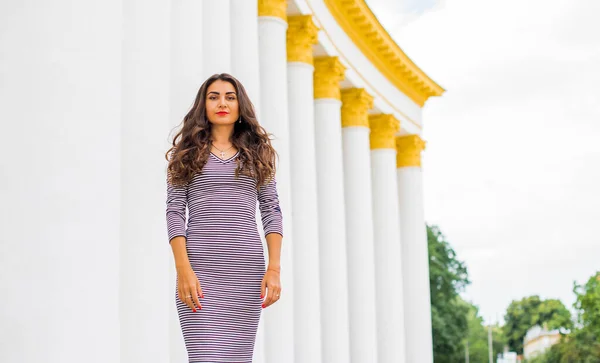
x=194, y=310
x=263, y=305
x=261, y=296
x=200, y=307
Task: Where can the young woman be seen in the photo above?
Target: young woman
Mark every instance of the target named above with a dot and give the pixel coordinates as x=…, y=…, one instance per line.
x=220, y=165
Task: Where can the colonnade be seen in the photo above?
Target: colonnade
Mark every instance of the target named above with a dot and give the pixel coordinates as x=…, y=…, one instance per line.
x=354, y=259
x=359, y=260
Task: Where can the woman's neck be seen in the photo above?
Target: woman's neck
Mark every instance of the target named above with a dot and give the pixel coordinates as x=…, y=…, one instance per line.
x=221, y=135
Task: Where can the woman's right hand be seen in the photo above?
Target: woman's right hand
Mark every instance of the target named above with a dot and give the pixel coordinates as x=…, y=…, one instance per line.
x=188, y=288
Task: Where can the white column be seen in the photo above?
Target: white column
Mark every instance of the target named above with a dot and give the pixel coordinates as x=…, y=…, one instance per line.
x=301, y=35
x=186, y=78
x=335, y=329
x=145, y=107
x=359, y=224
x=388, y=254
x=60, y=109
x=186, y=57
x=272, y=25
x=244, y=46
x=216, y=37
x=244, y=67
x=415, y=258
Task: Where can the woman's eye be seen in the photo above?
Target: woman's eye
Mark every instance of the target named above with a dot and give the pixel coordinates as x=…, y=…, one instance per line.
x=231, y=98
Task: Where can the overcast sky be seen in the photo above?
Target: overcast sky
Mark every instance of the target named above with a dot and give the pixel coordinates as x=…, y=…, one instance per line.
x=512, y=165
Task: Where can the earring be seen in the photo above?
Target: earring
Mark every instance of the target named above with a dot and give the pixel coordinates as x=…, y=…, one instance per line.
x=240, y=120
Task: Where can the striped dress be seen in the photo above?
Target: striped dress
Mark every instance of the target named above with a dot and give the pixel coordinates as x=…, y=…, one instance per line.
x=225, y=250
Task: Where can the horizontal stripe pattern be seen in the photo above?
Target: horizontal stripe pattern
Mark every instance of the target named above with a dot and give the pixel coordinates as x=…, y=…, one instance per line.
x=225, y=250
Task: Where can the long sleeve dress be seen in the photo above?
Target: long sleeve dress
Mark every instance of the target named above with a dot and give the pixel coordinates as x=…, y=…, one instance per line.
x=226, y=253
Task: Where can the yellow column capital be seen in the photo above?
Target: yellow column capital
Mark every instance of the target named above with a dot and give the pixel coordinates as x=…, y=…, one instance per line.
x=276, y=8
x=409, y=149
x=383, y=131
x=301, y=35
x=329, y=72
x=356, y=103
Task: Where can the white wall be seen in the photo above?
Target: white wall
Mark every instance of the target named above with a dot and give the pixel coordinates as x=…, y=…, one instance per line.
x=145, y=294
x=84, y=262
x=88, y=93
x=186, y=77
x=60, y=111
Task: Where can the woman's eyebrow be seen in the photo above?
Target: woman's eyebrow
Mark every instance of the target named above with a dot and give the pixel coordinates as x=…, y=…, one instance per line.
x=227, y=93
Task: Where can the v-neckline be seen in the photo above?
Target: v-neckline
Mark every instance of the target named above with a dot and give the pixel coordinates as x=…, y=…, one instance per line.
x=225, y=160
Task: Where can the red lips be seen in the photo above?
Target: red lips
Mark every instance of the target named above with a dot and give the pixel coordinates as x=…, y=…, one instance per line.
x=222, y=113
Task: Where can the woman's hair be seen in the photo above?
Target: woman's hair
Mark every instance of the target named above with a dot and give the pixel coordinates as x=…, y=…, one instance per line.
x=191, y=145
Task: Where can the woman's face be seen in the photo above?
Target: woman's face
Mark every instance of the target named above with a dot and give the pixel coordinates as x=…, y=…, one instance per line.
x=222, y=107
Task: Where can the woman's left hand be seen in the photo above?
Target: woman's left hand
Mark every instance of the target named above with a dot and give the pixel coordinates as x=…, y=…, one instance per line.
x=271, y=283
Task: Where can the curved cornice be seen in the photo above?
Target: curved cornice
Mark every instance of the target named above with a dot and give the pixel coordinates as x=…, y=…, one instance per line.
x=361, y=25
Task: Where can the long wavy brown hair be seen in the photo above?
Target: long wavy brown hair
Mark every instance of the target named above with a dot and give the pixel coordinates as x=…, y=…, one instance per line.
x=191, y=145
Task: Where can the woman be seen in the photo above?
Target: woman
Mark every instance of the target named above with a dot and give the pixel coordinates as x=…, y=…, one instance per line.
x=220, y=165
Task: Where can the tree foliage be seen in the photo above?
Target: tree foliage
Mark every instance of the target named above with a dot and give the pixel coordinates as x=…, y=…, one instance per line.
x=454, y=321
x=588, y=303
x=583, y=344
x=447, y=278
x=530, y=311
x=478, y=337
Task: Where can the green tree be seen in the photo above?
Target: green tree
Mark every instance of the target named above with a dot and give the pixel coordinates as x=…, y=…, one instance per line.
x=588, y=303
x=523, y=314
x=583, y=344
x=447, y=278
x=478, y=337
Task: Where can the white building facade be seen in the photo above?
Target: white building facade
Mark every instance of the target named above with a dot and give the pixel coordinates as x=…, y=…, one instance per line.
x=538, y=340
x=89, y=93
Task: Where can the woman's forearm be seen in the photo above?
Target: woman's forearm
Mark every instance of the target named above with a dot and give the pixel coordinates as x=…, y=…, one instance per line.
x=180, y=252
x=274, y=246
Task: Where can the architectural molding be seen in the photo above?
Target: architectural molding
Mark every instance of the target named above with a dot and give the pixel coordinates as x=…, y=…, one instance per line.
x=274, y=8
x=356, y=103
x=383, y=130
x=329, y=72
x=361, y=25
x=409, y=149
x=301, y=35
